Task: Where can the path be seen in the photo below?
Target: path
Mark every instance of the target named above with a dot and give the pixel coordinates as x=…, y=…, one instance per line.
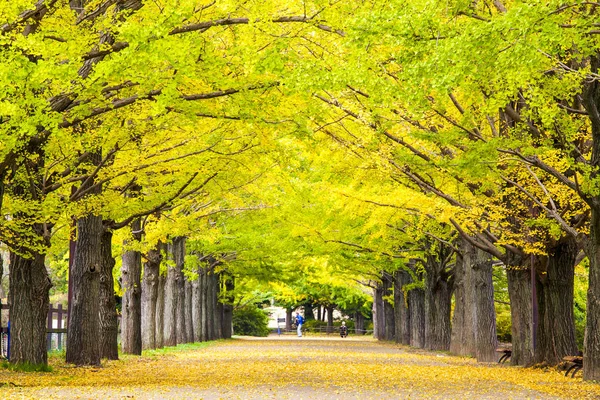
x=295, y=368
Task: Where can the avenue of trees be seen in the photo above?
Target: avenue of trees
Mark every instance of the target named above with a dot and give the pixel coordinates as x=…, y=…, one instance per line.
x=191, y=155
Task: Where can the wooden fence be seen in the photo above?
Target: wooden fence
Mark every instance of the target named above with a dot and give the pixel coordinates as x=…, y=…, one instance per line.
x=56, y=328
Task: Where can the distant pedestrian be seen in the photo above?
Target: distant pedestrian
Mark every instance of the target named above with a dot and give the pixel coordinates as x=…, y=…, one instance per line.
x=344, y=330
x=299, y=322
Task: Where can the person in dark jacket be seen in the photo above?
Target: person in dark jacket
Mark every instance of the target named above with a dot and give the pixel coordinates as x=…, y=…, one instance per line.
x=344, y=330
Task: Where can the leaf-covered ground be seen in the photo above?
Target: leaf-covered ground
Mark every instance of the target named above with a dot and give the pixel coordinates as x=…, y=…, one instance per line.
x=294, y=368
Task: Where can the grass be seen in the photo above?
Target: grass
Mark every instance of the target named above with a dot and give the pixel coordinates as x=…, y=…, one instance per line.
x=26, y=367
x=56, y=358
x=175, y=349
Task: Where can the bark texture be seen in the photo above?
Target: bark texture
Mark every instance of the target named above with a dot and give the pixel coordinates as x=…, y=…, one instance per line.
x=462, y=340
x=150, y=288
x=388, y=308
x=402, y=315
x=484, y=310
x=213, y=313
x=378, y=313
x=203, y=272
x=159, y=336
x=29, y=286
x=171, y=299
x=591, y=352
x=196, y=310
x=438, y=294
x=189, y=325
x=416, y=308
x=131, y=270
x=227, y=329
x=109, y=324
x=83, y=331
x=178, y=249
x=519, y=291
x=556, y=321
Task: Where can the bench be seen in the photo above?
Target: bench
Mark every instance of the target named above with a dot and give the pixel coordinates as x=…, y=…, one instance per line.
x=506, y=353
x=576, y=364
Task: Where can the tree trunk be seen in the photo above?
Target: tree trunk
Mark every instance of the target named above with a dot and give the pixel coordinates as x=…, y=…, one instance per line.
x=189, y=319
x=131, y=270
x=159, y=336
x=485, y=312
x=308, y=311
x=462, y=339
x=329, y=319
x=438, y=295
x=150, y=297
x=210, y=311
x=388, y=309
x=109, y=323
x=416, y=308
x=212, y=314
x=228, y=307
x=402, y=316
x=359, y=323
x=218, y=307
x=171, y=302
x=378, y=313
x=318, y=312
x=178, y=249
x=519, y=291
x=591, y=352
x=83, y=331
x=196, y=310
x=203, y=272
x=29, y=287
x=556, y=327
x=219, y=321
x=288, y=319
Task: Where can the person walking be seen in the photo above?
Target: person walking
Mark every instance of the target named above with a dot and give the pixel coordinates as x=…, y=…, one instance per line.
x=299, y=322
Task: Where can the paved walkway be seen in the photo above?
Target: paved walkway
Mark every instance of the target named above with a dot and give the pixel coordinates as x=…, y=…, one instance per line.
x=288, y=367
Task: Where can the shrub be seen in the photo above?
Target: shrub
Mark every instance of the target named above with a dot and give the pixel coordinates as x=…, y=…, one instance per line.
x=250, y=321
x=313, y=325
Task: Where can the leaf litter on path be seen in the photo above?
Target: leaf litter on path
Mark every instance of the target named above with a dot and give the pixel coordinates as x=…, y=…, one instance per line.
x=299, y=368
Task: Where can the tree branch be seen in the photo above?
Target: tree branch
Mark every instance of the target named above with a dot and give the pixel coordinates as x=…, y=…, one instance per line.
x=41, y=8
x=493, y=250
x=127, y=221
x=552, y=213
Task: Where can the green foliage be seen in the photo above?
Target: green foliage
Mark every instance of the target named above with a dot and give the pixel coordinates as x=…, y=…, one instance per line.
x=580, y=300
x=26, y=367
x=503, y=324
x=251, y=321
x=310, y=157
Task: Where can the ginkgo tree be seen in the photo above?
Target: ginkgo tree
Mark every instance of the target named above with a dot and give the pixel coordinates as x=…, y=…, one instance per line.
x=380, y=141
x=71, y=63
